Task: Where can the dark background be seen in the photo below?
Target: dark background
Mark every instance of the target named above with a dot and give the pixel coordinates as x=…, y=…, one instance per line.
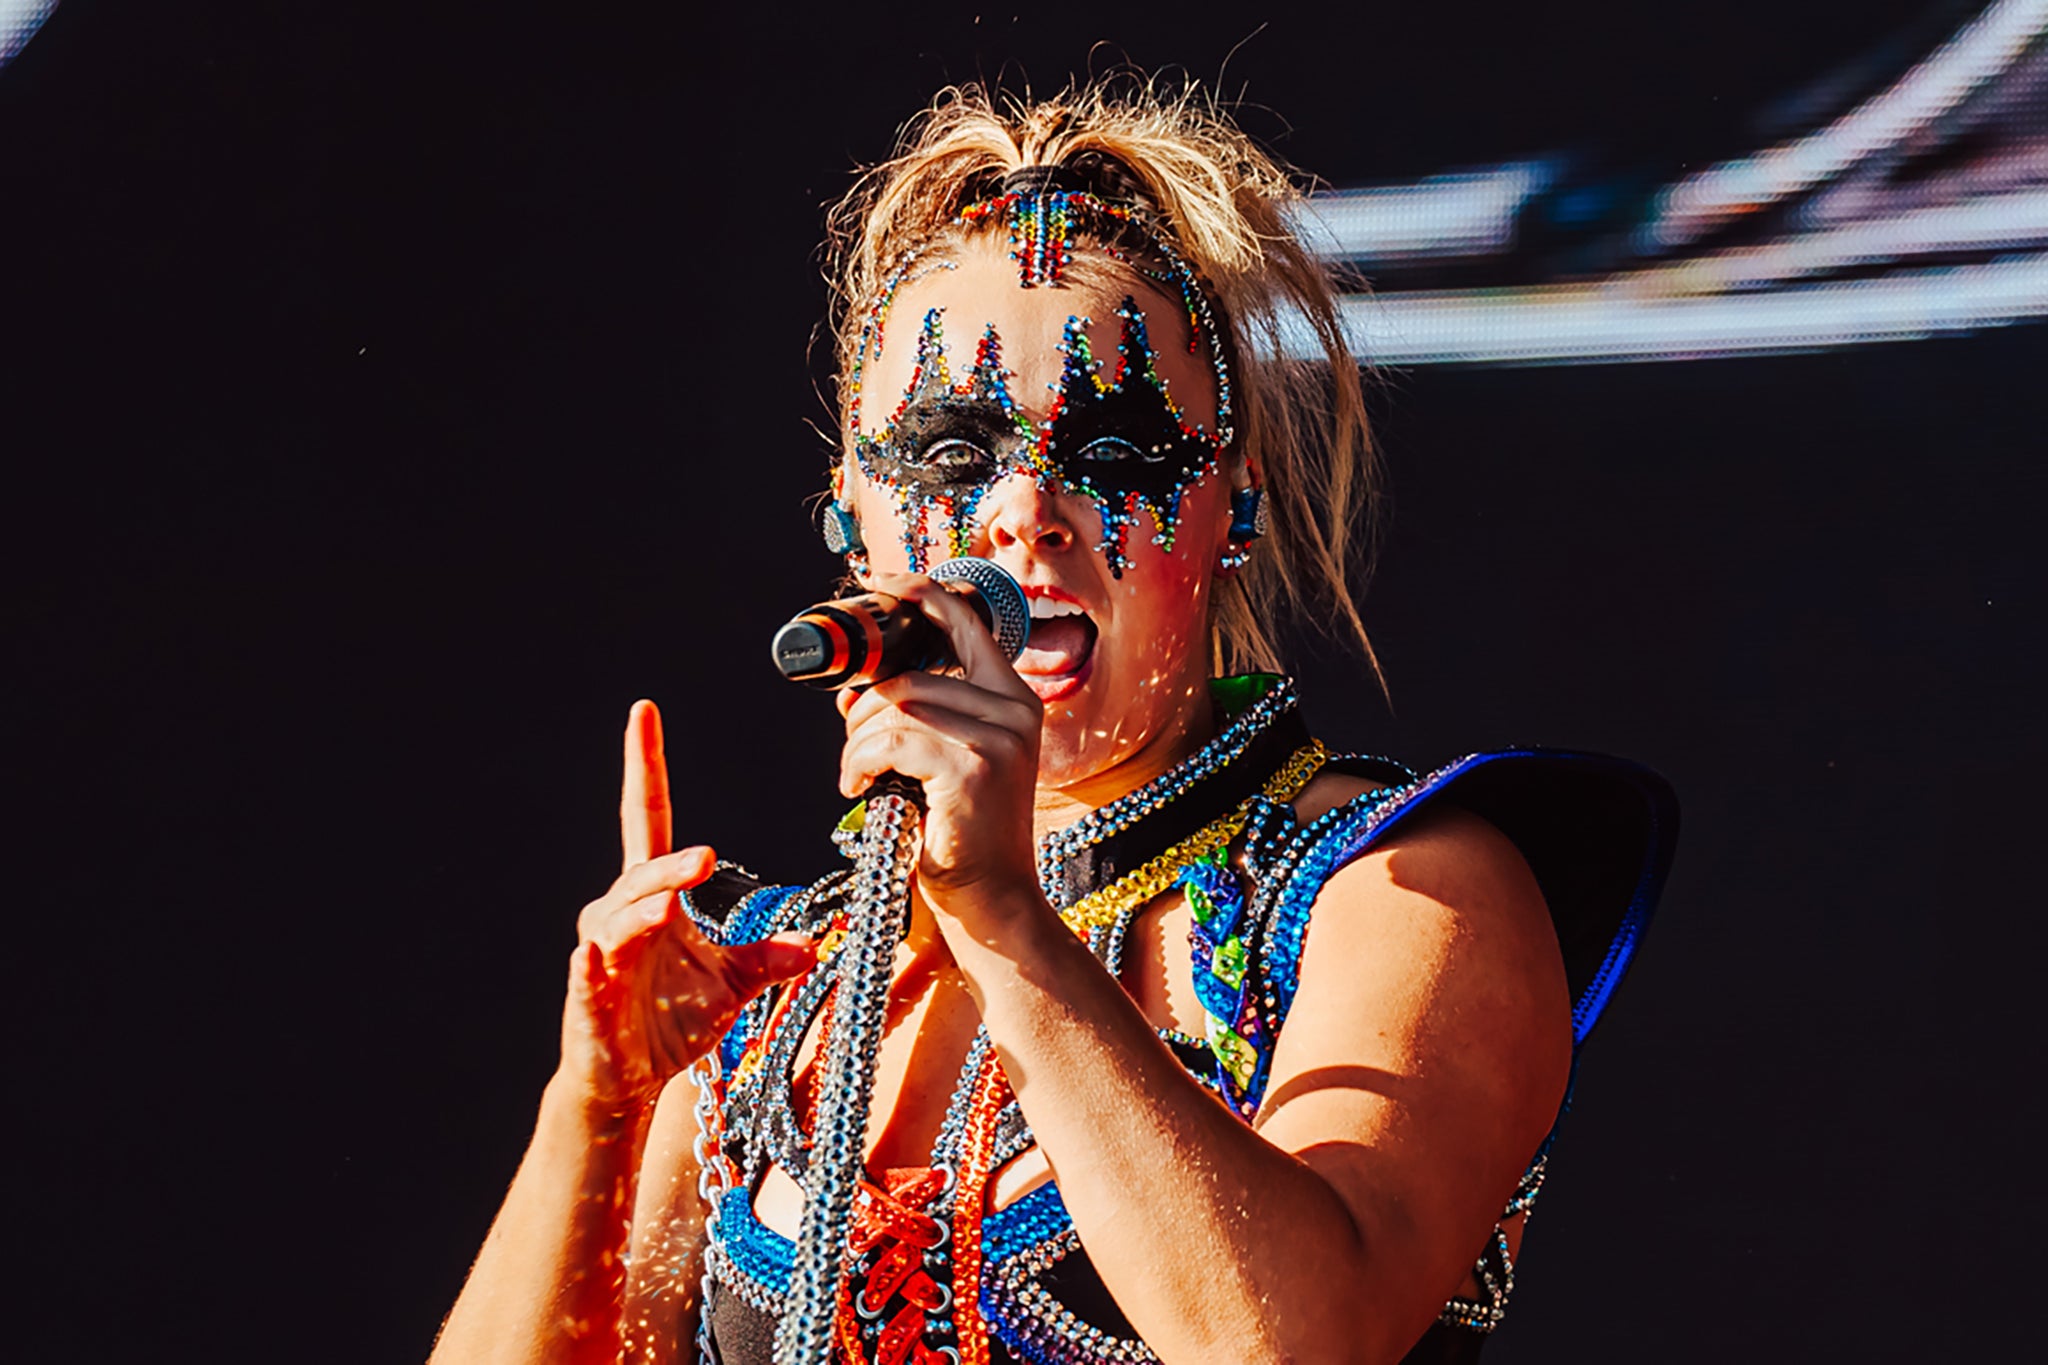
x=395, y=392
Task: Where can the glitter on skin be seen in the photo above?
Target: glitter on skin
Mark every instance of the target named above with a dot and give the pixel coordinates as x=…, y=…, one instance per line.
x=1150, y=640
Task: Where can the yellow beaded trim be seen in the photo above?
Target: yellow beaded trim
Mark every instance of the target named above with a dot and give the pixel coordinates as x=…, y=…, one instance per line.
x=1100, y=908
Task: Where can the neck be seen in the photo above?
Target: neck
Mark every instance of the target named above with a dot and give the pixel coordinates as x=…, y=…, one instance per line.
x=1059, y=805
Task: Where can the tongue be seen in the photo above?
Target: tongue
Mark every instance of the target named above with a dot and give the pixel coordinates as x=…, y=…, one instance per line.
x=1059, y=645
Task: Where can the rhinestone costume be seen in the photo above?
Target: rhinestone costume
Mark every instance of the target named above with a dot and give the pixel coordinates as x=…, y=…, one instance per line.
x=932, y=1279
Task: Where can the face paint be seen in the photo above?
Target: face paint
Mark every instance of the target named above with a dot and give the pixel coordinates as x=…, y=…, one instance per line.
x=1123, y=442
x=1120, y=441
x=945, y=446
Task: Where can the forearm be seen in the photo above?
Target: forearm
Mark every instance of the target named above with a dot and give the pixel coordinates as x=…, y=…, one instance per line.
x=665, y=1270
x=546, y=1286
x=1214, y=1243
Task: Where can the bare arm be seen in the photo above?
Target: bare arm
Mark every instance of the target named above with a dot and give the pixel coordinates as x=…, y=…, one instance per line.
x=1424, y=1060
x=647, y=995
x=666, y=1263
x=546, y=1285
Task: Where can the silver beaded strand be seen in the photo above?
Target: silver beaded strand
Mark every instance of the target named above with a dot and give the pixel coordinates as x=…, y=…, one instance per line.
x=847, y=1084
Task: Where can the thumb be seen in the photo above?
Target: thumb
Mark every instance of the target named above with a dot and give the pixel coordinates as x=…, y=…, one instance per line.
x=753, y=967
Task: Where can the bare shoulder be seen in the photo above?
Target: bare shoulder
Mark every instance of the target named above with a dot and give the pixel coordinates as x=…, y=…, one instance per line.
x=1447, y=855
x=1432, y=956
x=1448, y=903
x=1457, y=862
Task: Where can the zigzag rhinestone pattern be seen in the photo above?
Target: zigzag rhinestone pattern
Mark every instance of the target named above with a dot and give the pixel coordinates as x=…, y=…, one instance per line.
x=1121, y=442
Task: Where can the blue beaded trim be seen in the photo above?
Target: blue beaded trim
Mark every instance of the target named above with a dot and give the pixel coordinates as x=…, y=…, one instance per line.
x=1226, y=960
x=1039, y=1329
x=752, y=920
x=1305, y=864
x=754, y=1260
x=1020, y=1227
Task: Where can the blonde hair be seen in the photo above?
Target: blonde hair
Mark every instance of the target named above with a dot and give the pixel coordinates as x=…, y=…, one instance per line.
x=1300, y=422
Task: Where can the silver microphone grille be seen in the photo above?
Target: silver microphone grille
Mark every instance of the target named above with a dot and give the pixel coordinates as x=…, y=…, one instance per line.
x=1009, y=613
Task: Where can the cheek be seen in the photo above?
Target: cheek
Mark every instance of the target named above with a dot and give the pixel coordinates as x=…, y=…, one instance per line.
x=1198, y=536
x=1163, y=598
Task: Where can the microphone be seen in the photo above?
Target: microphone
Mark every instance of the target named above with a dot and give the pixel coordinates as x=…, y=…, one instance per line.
x=862, y=640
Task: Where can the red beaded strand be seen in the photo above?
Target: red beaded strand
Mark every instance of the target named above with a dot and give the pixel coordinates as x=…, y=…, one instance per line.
x=970, y=1197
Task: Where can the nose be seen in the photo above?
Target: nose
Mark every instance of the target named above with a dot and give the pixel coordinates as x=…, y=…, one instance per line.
x=1023, y=512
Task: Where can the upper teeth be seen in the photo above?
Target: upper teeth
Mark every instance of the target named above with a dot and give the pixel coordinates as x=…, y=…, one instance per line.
x=1045, y=608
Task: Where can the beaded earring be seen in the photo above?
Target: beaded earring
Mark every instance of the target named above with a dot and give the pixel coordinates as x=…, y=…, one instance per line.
x=841, y=534
x=1247, y=514
x=1247, y=524
x=838, y=529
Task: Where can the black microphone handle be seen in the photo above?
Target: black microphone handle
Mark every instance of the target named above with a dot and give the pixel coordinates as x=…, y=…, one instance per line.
x=862, y=640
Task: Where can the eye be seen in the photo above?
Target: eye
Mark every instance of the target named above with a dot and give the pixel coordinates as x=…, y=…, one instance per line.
x=1109, y=448
x=951, y=456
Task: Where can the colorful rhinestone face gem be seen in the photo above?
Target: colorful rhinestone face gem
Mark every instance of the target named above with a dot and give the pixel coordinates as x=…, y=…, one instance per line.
x=1117, y=438
x=946, y=445
x=1122, y=441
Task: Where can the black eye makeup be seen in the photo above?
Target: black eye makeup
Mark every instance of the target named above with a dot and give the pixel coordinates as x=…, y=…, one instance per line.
x=1107, y=449
x=1120, y=440
x=945, y=446
x=945, y=441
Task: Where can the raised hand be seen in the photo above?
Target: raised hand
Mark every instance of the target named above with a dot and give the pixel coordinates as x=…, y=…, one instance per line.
x=648, y=994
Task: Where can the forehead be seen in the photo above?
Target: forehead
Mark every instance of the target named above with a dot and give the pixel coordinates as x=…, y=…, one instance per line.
x=975, y=288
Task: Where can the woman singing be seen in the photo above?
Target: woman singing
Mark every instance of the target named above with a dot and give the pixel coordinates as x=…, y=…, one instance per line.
x=1204, y=1043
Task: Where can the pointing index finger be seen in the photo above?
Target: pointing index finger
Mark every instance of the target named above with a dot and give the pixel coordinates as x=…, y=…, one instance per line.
x=645, y=825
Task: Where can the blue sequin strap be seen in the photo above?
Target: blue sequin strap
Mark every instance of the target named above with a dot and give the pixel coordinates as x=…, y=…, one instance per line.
x=1021, y=1243
x=748, y=1257
x=755, y=917
x=768, y=911
x=1596, y=831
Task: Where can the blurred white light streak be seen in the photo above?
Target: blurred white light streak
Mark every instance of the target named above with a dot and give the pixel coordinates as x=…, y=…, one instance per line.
x=1978, y=51
x=2017, y=221
x=1469, y=213
x=19, y=20
x=1582, y=323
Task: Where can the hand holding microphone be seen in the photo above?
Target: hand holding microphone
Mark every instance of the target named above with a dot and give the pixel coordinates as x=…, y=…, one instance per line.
x=970, y=741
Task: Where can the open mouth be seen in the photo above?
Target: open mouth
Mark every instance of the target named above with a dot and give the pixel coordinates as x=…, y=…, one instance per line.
x=1056, y=661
